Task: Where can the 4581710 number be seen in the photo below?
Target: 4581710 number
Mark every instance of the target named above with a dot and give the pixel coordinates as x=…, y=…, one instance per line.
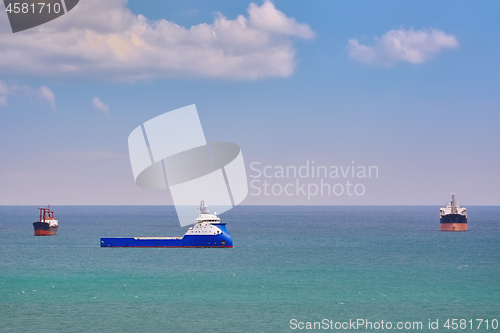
x=39, y=8
x=463, y=324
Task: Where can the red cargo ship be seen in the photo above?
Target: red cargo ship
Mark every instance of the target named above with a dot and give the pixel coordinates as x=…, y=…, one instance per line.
x=47, y=225
x=453, y=217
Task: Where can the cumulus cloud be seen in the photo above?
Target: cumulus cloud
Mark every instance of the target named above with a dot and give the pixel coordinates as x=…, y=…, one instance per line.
x=104, y=39
x=412, y=46
x=42, y=94
x=49, y=96
x=99, y=105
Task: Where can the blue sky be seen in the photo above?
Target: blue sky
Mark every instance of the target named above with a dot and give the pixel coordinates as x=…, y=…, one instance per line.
x=427, y=117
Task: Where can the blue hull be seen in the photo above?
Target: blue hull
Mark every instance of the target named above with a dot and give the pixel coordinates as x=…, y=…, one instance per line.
x=222, y=240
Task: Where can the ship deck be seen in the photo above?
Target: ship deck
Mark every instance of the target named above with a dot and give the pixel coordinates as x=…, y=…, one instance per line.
x=146, y=238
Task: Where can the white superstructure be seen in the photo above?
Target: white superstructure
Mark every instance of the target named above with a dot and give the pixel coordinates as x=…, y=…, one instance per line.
x=205, y=223
x=52, y=222
x=452, y=208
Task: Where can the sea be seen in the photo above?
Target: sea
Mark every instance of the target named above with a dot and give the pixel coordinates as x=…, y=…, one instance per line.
x=292, y=268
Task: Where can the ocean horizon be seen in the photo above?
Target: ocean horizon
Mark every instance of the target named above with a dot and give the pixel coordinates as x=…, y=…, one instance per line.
x=289, y=265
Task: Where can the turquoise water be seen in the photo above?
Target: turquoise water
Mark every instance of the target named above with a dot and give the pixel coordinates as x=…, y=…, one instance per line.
x=303, y=263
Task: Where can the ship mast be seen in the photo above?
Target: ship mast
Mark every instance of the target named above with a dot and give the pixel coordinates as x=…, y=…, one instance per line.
x=46, y=213
x=453, y=206
x=203, y=209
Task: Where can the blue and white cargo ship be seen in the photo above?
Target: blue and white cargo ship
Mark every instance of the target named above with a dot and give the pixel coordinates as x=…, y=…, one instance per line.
x=208, y=231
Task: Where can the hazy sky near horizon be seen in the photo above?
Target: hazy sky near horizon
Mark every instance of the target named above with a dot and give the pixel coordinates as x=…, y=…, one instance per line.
x=410, y=87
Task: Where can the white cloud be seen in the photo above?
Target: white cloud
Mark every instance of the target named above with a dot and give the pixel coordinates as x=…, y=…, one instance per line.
x=99, y=105
x=267, y=18
x=42, y=94
x=49, y=96
x=4, y=90
x=104, y=39
x=413, y=46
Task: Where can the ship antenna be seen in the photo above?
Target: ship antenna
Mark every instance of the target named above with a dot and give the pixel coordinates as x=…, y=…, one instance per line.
x=453, y=206
x=203, y=209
